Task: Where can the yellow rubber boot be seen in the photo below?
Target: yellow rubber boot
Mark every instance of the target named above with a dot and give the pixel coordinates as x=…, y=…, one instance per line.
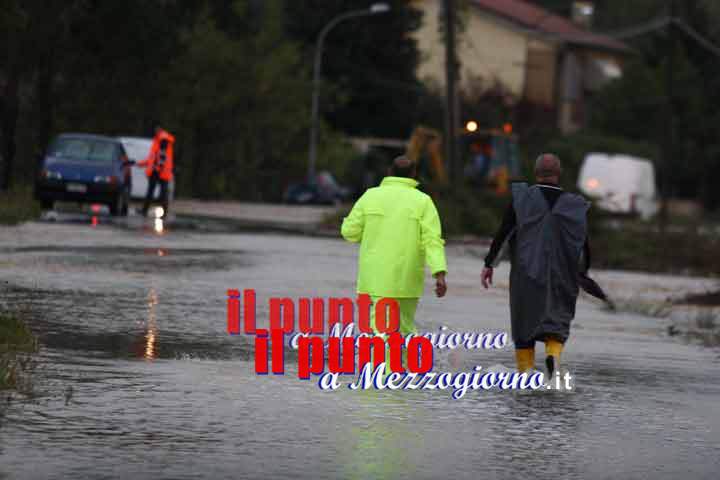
x=525, y=359
x=553, y=349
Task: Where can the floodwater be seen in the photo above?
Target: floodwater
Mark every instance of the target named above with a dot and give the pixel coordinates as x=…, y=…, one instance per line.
x=137, y=378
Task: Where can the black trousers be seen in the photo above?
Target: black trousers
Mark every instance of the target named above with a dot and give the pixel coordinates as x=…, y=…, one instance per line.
x=152, y=182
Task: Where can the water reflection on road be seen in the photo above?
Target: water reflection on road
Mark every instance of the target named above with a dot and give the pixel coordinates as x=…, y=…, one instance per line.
x=134, y=324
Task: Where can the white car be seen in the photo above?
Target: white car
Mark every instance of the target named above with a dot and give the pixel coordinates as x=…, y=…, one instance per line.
x=137, y=149
x=620, y=183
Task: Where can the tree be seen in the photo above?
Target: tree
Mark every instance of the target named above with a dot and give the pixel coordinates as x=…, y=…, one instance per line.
x=636, y=106
x=238, y=102
x=370, y=63
x=82, y=65
x=222, y=75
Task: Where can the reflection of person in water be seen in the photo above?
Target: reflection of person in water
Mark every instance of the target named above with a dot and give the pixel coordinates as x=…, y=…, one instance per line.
x=549, y=421
x=381, y=445
x=145, y=346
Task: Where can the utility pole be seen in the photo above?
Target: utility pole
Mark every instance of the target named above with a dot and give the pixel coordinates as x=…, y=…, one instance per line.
x=451, y=78
x=669, y=147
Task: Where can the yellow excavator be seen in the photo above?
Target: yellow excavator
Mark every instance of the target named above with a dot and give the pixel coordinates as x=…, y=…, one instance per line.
x=428, y=140
x=490, y=155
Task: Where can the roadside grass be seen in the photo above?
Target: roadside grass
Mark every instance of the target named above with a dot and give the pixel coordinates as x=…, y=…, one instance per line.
x=681, y=249
x=18, y=205
x=686, y=248
x=461, y=212
x=16, y=343
x=333, y=220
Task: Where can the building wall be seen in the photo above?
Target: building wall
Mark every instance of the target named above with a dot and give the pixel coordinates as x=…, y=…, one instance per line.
x=540, y=74
x=531, y=67
x=577, y=82
x=489, y=48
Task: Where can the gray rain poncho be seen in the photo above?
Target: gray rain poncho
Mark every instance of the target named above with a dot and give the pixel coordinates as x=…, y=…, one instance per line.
x=545, y=254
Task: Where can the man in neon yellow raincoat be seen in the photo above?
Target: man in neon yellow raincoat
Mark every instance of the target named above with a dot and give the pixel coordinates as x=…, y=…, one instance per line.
x=399, y=232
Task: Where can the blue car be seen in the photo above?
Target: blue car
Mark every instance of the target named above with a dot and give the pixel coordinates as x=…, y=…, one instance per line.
x=85, y=168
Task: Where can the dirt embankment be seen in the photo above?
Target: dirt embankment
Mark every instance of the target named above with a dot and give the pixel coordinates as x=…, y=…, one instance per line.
x=709, y=299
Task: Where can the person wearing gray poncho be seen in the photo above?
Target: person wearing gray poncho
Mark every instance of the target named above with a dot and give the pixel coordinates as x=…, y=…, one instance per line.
x=547, y=242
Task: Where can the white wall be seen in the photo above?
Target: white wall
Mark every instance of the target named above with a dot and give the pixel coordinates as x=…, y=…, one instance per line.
x=489, y=48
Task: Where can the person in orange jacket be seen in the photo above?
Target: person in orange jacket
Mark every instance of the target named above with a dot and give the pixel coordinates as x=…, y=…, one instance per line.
x=159, y=168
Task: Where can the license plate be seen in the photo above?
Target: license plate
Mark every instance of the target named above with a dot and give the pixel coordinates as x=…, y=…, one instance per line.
x=76, y=187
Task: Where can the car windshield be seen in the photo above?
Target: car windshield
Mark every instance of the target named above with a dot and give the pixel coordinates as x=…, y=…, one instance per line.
x=83, y=149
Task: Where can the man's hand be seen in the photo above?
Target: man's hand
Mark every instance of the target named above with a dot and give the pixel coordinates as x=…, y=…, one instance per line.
x=487, y=275
x=440, y=284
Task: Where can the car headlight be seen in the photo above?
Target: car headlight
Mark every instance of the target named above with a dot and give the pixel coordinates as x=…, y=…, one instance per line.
x=50, y=175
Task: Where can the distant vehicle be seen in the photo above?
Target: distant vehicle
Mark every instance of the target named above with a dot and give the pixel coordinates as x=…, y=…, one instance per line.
x=620, y=183
x=85, y=168
x=325, y=191
x=490, y=156
x=137, y=149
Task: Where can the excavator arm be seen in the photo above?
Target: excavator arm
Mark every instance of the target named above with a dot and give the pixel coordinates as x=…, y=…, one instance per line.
x=428, y=141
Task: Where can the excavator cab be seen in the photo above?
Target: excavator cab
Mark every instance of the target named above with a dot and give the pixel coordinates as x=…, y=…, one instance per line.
x=491, y=159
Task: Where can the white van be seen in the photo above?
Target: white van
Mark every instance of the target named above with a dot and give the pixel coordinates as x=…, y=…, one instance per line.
x=620, y=183
x=137, y=149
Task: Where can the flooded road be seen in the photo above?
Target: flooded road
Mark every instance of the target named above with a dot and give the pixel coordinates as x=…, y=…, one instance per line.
x=137, y=378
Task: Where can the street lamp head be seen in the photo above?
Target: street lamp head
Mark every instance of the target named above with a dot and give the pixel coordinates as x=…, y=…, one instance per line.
x=379, y=8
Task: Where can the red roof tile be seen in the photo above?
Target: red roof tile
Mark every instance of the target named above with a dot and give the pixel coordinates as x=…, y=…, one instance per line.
x=535, y=18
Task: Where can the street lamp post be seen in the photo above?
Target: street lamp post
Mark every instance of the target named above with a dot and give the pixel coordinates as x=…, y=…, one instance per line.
x=374, y=9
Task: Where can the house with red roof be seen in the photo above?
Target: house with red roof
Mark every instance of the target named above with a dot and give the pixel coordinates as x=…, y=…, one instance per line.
x=535, y=55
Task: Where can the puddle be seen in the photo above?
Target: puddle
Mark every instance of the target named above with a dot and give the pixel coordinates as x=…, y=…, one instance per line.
x=105, y=250
x=137, y=378
x=150, y=260
x=125, y=325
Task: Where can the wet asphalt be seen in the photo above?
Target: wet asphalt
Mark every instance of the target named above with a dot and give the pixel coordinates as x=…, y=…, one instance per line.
x=136, y=376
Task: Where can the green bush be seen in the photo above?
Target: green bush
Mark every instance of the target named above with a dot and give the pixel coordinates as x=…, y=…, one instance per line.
x=16, y=339
x=469, y=211
x=18, y=205
x=334, y=220
x=643, y=247
x=463, y=212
